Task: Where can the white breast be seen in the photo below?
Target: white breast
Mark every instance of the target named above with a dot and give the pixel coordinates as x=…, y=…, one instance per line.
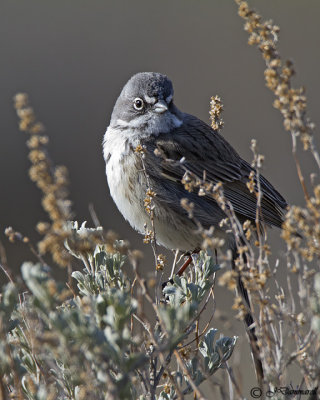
x=124, y=182
x=128, y=189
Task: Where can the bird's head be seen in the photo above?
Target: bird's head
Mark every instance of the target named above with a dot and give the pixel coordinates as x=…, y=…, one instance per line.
x=145, y=105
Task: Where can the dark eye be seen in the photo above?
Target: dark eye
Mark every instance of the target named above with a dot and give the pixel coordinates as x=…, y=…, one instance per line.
x=138, y=104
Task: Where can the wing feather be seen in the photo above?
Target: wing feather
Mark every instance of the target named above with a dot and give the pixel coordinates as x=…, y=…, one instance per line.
x=204, y=149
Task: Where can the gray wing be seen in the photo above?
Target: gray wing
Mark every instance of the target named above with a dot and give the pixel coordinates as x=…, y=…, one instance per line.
x=206, y=150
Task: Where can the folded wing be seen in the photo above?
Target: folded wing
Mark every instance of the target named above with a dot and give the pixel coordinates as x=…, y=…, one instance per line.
x=203, y=149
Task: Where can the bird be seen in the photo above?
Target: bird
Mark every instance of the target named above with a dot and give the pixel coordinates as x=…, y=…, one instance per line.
x=145, y=114
x=174, y=142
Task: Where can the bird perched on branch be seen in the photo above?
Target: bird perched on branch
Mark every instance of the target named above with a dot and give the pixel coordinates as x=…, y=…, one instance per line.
x=145, y=115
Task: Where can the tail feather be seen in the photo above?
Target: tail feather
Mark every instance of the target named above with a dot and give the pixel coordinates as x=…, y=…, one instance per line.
x=249, y=321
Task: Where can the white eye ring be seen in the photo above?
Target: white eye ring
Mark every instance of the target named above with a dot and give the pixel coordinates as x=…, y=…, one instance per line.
x=138, y=104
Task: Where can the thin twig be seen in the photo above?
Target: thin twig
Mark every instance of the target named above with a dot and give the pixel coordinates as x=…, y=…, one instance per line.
x=197, y=391
x=94, y=216
x=4, y=263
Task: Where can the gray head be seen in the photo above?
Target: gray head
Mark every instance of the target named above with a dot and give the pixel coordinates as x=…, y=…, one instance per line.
x=146, y=105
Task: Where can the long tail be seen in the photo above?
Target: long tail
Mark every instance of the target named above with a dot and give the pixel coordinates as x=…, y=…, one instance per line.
x=249, y=321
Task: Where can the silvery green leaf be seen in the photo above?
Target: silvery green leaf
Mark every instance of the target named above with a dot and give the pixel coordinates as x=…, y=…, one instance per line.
x=34, y=390
x=213, y=363
x=177, y=280
x=168, y=396
x=206, y=346
x=206, y=264
x=29, y=363
x=42, y=393
x=83, y=230
x=35, y=275
x=164, y=396
x=175, y=321
x=179, y=378
x=225, y=346
x=315, y=324
x=8, y=304
x=78, y=393
x=25, y=388
x=194, y=291
x=73, y=253
x=72, y=225
x=317, y=284
x=184, y=285
x=86, y=283
x=78, y=276
x=102, y=376
x=169, y=290
x=112, y=337
x=215, y=353
x=9, y=297
x=100, y=257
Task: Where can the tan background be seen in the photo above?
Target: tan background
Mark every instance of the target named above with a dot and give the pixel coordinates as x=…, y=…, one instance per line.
x=74, y=56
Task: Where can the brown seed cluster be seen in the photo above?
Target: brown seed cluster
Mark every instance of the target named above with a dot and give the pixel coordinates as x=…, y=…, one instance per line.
x=140, y=150
x=14, y=236
x=188, y=206
x=192, y=182
x=148, y=235
x=51, y=180
x=148, y=201
x=161, y=261
x=216, y=109
x=229, y=279
x=251, y=184
x=301, y=229
x=292, y=103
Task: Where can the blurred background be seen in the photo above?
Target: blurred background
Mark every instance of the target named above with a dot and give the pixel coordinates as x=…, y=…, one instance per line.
x=73, y=57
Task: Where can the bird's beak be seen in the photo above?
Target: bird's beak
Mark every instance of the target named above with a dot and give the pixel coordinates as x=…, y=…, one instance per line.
x=160, y=107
